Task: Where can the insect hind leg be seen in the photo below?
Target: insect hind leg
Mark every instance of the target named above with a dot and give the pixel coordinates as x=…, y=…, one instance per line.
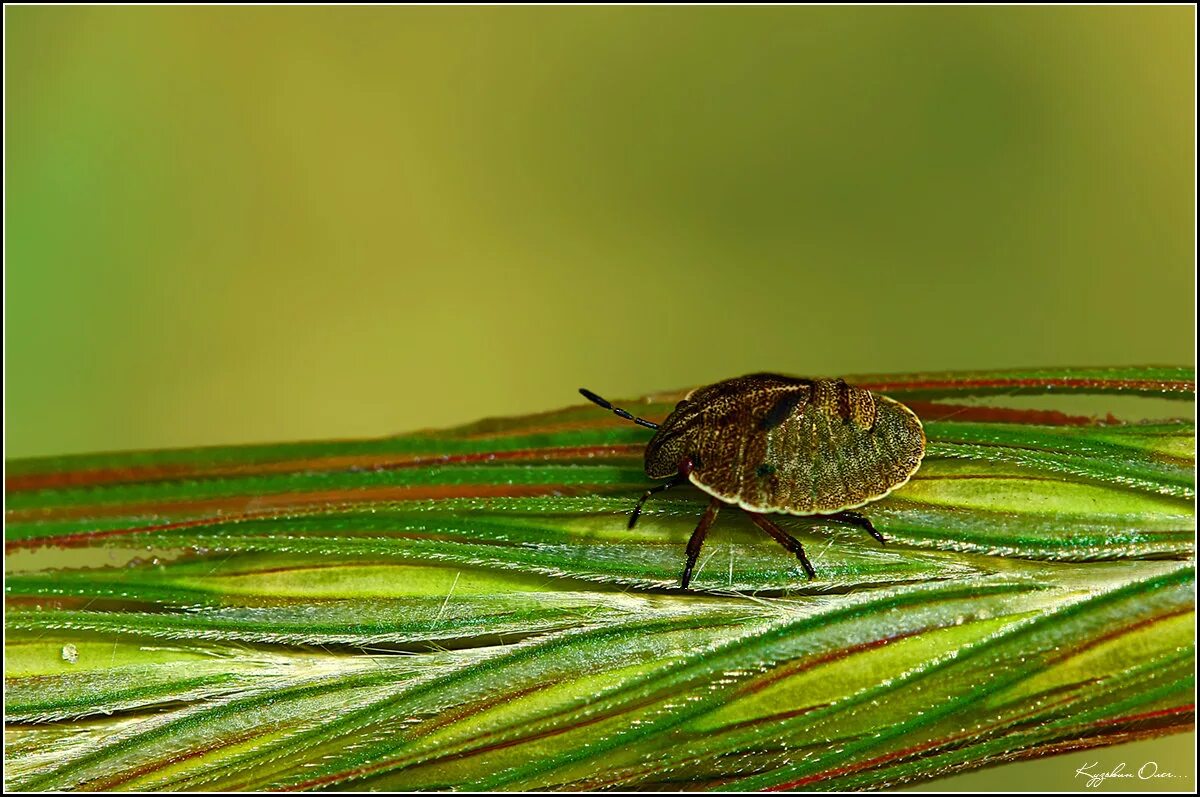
x=862, y=521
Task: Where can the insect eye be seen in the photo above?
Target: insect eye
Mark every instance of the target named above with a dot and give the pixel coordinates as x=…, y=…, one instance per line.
x=682, y=404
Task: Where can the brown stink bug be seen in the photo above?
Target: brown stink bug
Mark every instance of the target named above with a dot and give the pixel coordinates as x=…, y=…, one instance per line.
x=771, y=443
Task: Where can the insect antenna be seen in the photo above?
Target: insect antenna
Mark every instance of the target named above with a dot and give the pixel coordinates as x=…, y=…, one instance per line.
x=592, y=397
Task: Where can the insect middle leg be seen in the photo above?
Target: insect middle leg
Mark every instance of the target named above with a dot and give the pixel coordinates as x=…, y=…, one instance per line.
x=855, y=519
x=697, y=539
x=783, y=538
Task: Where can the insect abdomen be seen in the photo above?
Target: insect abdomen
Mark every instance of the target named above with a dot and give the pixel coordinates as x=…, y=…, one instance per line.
x=818, y=446
x=773, y=443
x=846, y=449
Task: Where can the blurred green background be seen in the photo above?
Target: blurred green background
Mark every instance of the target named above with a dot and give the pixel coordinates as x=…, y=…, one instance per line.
x=239, y=224
x=247, y=224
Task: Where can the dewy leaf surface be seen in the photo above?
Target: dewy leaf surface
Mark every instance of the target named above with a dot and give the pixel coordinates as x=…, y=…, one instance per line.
x=467, y=609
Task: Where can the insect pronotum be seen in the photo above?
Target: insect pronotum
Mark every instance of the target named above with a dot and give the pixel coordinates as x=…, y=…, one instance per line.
x=770, y=443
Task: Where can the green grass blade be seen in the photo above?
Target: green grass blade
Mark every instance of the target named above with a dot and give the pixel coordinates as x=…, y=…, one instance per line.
x=467, y=609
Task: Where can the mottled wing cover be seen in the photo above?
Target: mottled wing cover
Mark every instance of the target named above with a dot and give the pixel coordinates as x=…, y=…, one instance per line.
x=772, y=443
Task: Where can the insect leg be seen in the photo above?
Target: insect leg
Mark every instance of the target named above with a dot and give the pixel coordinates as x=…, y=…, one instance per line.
x=637, y=510
x=855, y=519
x=697, y=539
x=784, y=539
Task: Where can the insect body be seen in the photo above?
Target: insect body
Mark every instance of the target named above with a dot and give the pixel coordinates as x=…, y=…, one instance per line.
x=771, y=443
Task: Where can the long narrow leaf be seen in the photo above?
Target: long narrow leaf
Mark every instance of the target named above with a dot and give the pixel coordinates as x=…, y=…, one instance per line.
x=467, y=609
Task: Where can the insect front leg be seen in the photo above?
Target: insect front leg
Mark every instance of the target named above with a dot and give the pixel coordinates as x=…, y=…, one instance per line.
x=697, y=539
x=637, y=510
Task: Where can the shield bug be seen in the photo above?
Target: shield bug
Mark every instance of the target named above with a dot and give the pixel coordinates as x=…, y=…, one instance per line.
x=770, y=443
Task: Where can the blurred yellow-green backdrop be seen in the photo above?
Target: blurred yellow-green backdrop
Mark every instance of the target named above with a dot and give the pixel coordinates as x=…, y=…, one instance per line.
x=244, y=224
x=239, y=224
